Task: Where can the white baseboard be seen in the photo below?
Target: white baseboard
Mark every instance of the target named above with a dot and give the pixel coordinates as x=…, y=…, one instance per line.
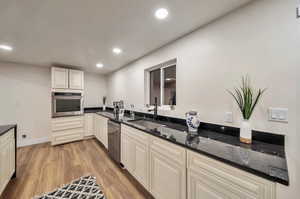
x=28, y=142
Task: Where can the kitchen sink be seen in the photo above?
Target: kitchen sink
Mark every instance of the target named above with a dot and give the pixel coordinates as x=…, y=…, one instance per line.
x=107, y=114
x=146, y=123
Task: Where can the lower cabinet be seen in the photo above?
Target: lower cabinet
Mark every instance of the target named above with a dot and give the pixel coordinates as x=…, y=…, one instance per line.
x=97, y=126
x=7, y=158
x=67, y=129
x=167, y=170
x=158, y=165
x=170, y=171
x=135, y=154
x=89, y=124
x=100, y=129
x=211, y=179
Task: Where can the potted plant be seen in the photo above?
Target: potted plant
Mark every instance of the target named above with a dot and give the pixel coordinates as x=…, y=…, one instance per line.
x=246, y=98
x=104, y=102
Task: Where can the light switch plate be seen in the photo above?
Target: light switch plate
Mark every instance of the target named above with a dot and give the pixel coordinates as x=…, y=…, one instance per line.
x=278, y=114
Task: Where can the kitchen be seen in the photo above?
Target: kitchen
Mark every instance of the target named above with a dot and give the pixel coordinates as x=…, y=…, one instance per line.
x=146, y=90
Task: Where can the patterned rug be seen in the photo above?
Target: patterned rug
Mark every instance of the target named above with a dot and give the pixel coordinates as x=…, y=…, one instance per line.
x=82, y=188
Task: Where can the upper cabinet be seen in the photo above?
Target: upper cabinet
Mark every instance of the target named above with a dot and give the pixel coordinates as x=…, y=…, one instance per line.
x=76, y=79
x=63, y=78
x=59, y=78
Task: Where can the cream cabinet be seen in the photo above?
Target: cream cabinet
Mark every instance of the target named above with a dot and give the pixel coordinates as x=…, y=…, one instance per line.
x=76, y=79
x=127, y=152
x=67, y=129
x=167, y=170
x=135, y=153
x=170, y=171
x=211, y=179
x=97, y=126
x=100, y=129
x=60, y=78
x=158, y=165
x=88, y=124
x=104, y=132
x=63, y=78
x=7, y=158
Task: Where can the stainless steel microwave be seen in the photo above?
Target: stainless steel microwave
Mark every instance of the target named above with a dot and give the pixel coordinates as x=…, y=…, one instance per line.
x=66, y=104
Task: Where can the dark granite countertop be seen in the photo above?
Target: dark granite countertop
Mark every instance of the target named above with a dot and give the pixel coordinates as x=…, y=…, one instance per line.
x=263, y=159
x=5, y=128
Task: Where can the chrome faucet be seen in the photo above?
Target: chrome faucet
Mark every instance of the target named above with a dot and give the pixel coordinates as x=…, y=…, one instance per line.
x=155, y=109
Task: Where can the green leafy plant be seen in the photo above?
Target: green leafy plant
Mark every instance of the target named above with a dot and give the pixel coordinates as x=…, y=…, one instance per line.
x=246, y=97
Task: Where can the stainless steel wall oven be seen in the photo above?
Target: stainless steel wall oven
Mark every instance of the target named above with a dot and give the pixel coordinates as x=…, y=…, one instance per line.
x=66, y=104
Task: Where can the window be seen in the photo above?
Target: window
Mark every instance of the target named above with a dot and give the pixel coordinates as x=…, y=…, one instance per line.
x=163, y=84
x=155, y=85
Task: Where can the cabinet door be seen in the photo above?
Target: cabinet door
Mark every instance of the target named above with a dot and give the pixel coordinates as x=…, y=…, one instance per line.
x=59, y=77
x=167, y=170
x=136, y=157
x=104, y=136
x=127, y=153
x=12, y=155
x=97, y=127
x=4, y=165
x=76, y=79
x=141, y=163
x=7, y=158
x=89, y=124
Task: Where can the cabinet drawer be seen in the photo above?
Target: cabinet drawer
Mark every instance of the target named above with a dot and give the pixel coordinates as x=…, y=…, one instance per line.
x=65, y=123
x=176, y=153
x=60, y=137
x=135, y=134
x=234, y=180
x=7, y=136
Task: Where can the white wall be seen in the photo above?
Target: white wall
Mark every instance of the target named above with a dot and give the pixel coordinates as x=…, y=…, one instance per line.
x=94, y=89
x=262, y=40
x=25, y=93
x=25, y=100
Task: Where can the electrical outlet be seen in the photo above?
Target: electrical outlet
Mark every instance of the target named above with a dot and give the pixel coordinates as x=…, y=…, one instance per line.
x=278, y=114
x=229, y=117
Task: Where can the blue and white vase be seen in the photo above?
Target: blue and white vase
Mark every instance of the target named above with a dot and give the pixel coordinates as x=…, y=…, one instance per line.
x=192, y=121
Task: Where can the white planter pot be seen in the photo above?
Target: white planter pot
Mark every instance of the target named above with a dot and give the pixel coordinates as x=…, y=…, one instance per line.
x=246, y=132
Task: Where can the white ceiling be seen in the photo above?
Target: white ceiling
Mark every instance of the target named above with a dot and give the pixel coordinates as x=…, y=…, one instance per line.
x=83, y=32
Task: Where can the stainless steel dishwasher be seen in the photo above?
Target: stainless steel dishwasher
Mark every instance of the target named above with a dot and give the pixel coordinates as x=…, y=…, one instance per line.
x=114, y=140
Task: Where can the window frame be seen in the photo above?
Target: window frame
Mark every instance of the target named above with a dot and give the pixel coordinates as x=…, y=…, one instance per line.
x=161, y=67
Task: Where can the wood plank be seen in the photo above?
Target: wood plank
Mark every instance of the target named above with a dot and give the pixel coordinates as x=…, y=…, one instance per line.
x=43, y=168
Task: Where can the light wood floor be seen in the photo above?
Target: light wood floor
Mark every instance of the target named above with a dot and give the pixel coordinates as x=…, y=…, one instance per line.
x=43, y=168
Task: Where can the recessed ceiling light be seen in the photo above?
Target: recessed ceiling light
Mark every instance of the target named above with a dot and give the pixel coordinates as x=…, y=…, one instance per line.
x=117, y=50
x=6, y=47
x=99, y=65
x=161, y=13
